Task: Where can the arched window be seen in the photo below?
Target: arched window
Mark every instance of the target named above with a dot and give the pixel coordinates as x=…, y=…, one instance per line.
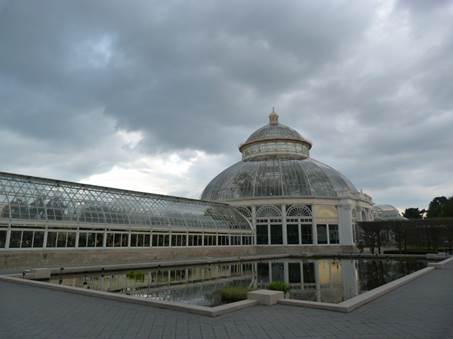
x=299, y=211
x=299, y=227
x=268, y=211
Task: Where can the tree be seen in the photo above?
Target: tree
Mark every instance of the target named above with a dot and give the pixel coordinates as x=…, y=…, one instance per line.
x=448, y=208
x=413, y=213
x=436, y=207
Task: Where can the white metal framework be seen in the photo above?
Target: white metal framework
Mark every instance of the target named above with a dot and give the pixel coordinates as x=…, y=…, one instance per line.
x=45, y=213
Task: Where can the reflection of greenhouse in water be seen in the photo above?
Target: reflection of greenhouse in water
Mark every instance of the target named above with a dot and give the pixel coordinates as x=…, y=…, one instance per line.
x=324, y=280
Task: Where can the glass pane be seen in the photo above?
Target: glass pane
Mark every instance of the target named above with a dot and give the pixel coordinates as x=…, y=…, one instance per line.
x=133, y=240
x=38, y=240
x=333, y=234
x=110, y=238
x=91, y=239
x=278, y=272
x=71, y=239
x=140, y=240
x=2, y=239
x=117, y=237
x=61, y=242
x=294, y=272
x=309, y=272
x=99, y=239
x=51, y=239
x=307, y=234
x=27, y=239
x=293, y=234
x=261, y=235
x=262, y=273
x=322, y=234
x=15, y=239
x=124, y=240
x=276, y=234
x=83, y=239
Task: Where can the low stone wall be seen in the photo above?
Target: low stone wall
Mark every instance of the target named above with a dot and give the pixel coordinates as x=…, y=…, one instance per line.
x=305, y=250
x=22, y=259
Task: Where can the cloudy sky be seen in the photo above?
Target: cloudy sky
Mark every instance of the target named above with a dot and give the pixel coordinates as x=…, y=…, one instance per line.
x=157, y=95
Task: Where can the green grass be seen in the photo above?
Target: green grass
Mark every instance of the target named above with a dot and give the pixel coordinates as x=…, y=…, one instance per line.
x=279, y=286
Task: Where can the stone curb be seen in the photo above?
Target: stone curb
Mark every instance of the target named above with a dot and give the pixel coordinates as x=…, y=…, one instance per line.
x=360, y=300
x=441, y=264
x=201, y=310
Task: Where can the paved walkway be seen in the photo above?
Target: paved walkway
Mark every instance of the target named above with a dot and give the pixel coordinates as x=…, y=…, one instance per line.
x=420, y=309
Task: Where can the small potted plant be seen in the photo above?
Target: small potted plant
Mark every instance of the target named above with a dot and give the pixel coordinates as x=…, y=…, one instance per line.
x=278, y=285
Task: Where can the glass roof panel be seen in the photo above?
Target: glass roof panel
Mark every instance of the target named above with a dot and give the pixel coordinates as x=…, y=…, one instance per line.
x=24, y=197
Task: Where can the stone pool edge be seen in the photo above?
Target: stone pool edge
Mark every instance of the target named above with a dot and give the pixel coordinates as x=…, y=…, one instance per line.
x=344, y=307
x=440, y=264
x=361, y=299
x=201, y=310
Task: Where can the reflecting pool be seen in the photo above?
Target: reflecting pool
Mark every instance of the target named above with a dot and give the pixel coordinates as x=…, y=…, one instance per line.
x=323, y=280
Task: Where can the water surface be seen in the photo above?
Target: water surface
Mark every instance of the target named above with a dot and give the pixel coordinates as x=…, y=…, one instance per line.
x=323, y=280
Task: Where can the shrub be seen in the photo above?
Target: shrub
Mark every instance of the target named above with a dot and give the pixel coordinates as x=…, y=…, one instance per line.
x=136, y=275
x=279, y=286
x=231, y=294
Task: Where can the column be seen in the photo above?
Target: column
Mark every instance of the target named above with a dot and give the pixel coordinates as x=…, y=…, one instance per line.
x=253, y=217
x=284, y=228
x=104, y=239
x=314, y=230
x=76, y=239
x=345, y=223
x=254, y=223
x=268, y=223
x=8, y=237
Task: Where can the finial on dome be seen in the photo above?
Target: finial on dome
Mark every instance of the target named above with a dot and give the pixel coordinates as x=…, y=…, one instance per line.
x=273, y=117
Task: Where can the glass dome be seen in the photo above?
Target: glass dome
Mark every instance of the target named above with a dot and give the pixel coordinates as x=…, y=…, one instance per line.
x=276, y=162
x=274, y=131
x=275, y=140
x=277, y=177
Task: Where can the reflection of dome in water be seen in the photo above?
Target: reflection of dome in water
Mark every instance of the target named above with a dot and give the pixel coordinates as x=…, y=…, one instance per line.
x=276, y=162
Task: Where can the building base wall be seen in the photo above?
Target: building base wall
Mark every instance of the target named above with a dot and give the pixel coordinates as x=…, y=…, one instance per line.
x=15, y=260
x=305, y=250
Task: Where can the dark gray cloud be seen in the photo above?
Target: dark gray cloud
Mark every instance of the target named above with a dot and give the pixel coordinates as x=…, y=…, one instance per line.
x=369, y=83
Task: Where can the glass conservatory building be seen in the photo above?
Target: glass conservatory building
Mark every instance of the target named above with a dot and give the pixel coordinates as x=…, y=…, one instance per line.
x=276, y=195
x=288, y=197
x=37, y=213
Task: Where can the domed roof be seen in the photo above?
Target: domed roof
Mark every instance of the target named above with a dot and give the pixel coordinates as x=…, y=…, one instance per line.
x=278, y=131
x=275, y=140
x=278, y=178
